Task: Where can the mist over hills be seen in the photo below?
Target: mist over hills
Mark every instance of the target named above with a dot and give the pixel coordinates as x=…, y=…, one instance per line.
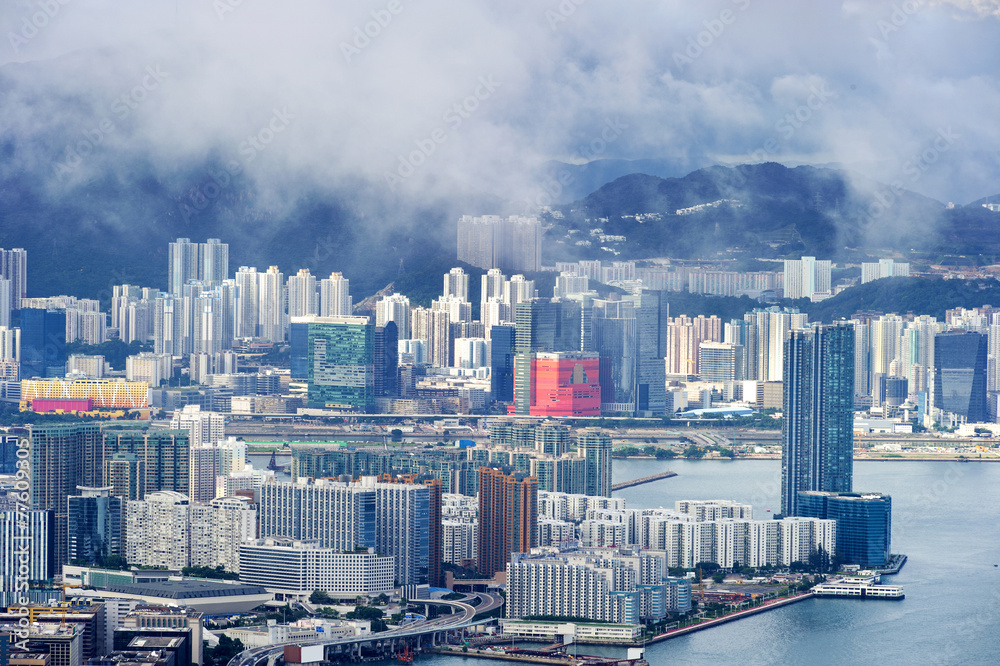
x=766, y=210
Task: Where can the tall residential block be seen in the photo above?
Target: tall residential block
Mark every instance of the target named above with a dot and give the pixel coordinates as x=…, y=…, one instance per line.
x=14, y=267
x=508, y=517
x=95, y=523
x=335, y=296
x=63, y=457
x=491, y=241
x=818, y=413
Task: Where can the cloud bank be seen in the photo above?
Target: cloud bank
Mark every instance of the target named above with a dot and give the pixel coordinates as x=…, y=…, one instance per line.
x=421, y=97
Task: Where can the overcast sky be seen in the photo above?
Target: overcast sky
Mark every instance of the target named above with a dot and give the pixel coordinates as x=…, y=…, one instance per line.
x=903, y=91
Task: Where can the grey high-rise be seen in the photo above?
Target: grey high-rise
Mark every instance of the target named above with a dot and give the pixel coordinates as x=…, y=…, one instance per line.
x=818, y=405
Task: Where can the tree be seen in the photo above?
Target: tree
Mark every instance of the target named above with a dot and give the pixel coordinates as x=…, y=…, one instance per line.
x=320, y=597
x=396, y=434
x=718, y=577
x=223, y=652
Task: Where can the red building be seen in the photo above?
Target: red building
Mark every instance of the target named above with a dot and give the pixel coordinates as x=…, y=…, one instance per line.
x=565, y=384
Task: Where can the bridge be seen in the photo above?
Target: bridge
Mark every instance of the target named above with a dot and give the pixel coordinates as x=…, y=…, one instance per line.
x=641, y=480
x=387, y=643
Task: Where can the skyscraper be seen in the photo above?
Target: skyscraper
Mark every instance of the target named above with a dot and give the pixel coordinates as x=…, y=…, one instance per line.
x=394, y=308
x=508, y=516
x=182, y=264
x=616, y=341
x=806, y=276
x=341, y=363
x=490, y=241
x=95, y=519
x=271, y=320
x=542, y=325
x=63, y=457
x=864, y=524
x=335, y=296
x=14, y=267
x=595, y=447
x=818, y=400
x=959, y=375
x=43, y=343
x=302, y=294
x=213, y=261
x=502, y=364
x=456, y=283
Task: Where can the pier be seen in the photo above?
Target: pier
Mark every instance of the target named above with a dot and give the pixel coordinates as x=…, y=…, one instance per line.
x=641, y=480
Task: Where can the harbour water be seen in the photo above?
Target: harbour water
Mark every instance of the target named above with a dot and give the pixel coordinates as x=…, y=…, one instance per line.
x=946, y=518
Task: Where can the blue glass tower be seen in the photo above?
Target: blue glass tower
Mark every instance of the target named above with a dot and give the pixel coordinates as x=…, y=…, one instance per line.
x=818, y=420
x=864, y=523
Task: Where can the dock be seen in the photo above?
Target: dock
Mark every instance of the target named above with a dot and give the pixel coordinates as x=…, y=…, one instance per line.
x=641, y=480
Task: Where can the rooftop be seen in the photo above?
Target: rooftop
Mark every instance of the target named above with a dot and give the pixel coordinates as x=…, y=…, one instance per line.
x=188, y=589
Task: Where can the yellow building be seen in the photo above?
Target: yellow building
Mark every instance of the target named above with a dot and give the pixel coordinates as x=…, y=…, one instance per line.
x=105, y=393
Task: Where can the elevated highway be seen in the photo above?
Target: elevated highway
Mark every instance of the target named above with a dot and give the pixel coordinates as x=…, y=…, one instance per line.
x=464, y=615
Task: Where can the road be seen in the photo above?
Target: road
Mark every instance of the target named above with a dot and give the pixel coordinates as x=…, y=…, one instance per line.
x=464, y=617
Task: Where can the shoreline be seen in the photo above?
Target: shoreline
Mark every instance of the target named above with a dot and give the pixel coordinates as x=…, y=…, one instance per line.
x=707, y=624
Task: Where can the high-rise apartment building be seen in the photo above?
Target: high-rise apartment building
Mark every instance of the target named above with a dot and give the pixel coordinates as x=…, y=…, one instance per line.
x=491, y=241
x=182, y=264
x=95, y=522
x=595, y=447
x=202, y=427
x=806, y=277
x=335, y=296
x=683, y=336
x=884, y=268
x=456, y=284
x=63, y=457
x=16, y=552
x=272, y=320
x=337, y=515
x=204, y=262
x=394, y=308
x=818, y=413
x=765, y=340
x=302, y=301
x=14, y=267
x=213, y=261
x=508, y=517
x=720, y=362
x=434, y=328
